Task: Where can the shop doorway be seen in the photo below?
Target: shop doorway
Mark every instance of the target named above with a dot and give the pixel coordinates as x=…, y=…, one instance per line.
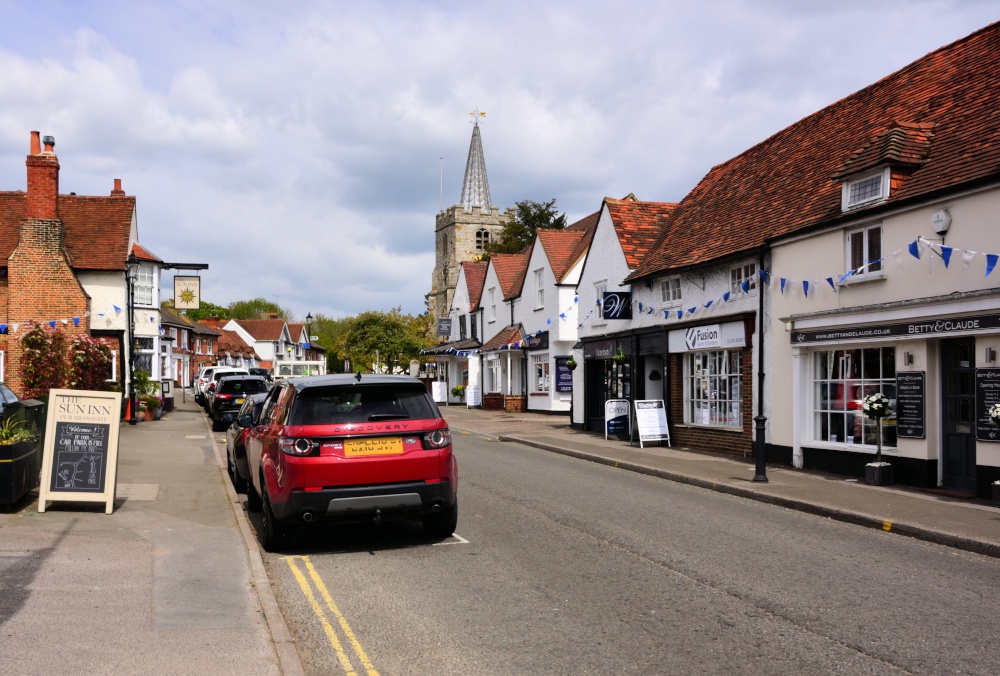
x=958, y=419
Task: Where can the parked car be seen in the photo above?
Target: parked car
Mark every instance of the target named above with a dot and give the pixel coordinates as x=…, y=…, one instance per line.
x=351, y=448
x=229, y=395
x=205, y=377
x=261, y=371
x=213, y=381
x=236, y=433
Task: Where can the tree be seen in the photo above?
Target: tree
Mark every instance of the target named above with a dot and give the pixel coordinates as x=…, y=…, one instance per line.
x=257, y=308
x=385, y=341
x=204, y=312
x=519, y=231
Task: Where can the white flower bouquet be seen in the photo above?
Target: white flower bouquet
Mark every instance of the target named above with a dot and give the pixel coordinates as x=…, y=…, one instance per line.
x=994, y=414
x=875, y=407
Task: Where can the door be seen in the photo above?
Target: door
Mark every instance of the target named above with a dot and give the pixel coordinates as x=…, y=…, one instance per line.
x=958, y=419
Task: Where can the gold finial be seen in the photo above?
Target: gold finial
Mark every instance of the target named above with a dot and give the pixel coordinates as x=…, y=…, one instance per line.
x=476, y=116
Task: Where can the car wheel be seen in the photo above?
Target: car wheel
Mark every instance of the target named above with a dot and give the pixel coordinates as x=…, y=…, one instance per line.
x=442, y=524
x=217, y=426
x=253, y=497
x=272, y=533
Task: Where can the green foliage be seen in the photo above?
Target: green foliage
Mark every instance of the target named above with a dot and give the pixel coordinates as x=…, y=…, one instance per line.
x=90, y=363
x=205, y=311
x=13, y=430
x=458, y=391
x=255, y=309
x=43, y=364
x=519, y=231
x=393, y=335
x=143, y=385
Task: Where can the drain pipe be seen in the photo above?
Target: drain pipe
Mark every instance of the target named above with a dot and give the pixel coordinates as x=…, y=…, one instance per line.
x=760, y=445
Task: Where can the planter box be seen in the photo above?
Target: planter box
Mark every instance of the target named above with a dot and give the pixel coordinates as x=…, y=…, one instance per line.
x=20, y=468
x=879, y=475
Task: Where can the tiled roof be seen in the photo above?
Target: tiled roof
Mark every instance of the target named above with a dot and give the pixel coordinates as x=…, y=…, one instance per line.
x=144, y=254
x=446, y=348
x=638, y=225
x=565, y=247
x=263, y=329
x=475, y=277
x=230, y=343
x=511, y=269
x=506, y=336
x=944, y=107
x=97, y=228
x=297, y=331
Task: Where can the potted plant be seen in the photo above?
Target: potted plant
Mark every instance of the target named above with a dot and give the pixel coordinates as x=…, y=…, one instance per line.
x=620, y=355
x=458, y=391
x=152, y=405
x=571, y=363
x=994, y=414
x=875, y=407
x=19, y=460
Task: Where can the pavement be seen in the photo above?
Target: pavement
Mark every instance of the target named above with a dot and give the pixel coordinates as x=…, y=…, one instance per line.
x=173, y=582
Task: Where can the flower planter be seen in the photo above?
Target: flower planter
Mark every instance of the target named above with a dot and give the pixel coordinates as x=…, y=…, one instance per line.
x=879, y=474
x=20, y=464
x=149, y=414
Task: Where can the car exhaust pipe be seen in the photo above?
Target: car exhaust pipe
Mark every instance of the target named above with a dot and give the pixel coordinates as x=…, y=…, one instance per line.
x=436, y=508
x=307, y=517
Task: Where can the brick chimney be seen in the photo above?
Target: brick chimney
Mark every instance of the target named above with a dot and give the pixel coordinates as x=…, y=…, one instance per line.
x=43, y=180
x=118, y=192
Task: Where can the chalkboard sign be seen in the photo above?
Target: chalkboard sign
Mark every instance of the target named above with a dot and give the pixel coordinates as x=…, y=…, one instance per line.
x=987, y=394
x=80, y=456
x=910, y=404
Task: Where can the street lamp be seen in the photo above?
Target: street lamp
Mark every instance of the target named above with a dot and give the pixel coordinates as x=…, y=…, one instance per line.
x=308, y=345
x=131, y=275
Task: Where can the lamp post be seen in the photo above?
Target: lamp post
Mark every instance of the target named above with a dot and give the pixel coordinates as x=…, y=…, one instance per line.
x=131, y=275
x=309, y=319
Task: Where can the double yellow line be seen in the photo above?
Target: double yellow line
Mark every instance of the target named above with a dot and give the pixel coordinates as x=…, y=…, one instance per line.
x=331, y=632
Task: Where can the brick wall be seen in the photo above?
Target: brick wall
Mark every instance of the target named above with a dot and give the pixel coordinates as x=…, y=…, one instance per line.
x=41, y=287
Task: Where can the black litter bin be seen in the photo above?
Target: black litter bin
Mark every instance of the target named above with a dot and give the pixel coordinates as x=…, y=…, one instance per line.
x=21, y=461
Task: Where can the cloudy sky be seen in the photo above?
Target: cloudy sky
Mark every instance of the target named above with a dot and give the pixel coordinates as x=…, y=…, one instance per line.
x=298, y=148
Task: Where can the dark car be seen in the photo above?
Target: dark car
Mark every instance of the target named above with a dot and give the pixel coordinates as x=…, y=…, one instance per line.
x=229, y=395
x=262, y=372
x=236, y=433
x=351, y=448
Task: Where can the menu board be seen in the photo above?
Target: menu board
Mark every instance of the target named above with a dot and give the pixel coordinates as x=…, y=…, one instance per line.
x=910, y=404
x=987, y=394
x=80, y=456
x=651, y=420
x=616, y=417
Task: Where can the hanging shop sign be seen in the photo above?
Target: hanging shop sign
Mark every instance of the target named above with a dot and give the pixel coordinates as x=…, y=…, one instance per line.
x=707, y=337
x=538, y=341
x=187, y=292
x=987, y=394
x=444, y=326
x=564, y=376
x=910, y=404
x=617, y=305
x=944, y=326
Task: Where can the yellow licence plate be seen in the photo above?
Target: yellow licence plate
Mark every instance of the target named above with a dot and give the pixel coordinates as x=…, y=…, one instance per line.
x=373, y=446
x=240, y=400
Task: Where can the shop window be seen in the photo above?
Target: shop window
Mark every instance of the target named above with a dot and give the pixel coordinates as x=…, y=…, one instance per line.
x=712, y=388
x=864, y=252
x=540, y=367
x=841, y=380
x=617, y=379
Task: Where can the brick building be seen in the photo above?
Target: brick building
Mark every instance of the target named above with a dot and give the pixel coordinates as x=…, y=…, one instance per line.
x=62, y=261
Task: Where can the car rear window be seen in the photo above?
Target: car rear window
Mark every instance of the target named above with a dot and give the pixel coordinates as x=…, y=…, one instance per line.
x=248, y=386
x=361, y=403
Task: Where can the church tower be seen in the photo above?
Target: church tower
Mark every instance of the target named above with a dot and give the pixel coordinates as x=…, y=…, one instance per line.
x=463, y=230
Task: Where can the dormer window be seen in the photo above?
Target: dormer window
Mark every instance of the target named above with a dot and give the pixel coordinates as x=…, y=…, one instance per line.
x=865, y=190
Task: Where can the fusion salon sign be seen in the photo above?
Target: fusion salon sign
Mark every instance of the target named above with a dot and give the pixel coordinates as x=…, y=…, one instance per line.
x=707, y=337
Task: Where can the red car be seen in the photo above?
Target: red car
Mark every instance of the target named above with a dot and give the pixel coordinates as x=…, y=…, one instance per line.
x=351, y=448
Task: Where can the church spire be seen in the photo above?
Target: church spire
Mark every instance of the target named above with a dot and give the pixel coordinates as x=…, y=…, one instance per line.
x=475, y=186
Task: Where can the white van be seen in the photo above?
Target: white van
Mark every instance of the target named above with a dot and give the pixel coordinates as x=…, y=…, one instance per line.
x=207, y=377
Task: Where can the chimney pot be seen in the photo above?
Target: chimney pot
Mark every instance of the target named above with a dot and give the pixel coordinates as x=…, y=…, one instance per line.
x=118, y=187
x=50, y=143
x=36, y=144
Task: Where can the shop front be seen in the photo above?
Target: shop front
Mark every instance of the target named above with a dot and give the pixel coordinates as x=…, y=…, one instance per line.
x=940, y=374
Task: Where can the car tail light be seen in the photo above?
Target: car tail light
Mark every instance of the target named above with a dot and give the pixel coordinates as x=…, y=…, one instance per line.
x=223, y=397
x=300, y=446
x=436, y=439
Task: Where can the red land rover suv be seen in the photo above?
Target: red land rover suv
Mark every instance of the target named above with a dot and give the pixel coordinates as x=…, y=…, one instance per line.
x=351, y=448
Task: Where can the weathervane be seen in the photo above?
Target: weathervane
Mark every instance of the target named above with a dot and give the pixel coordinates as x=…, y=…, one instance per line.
x=476, y=116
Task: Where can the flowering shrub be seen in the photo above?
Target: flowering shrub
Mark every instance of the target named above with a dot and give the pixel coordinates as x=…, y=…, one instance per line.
x=875, y=406
x=90, y=362
x=43, y=361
